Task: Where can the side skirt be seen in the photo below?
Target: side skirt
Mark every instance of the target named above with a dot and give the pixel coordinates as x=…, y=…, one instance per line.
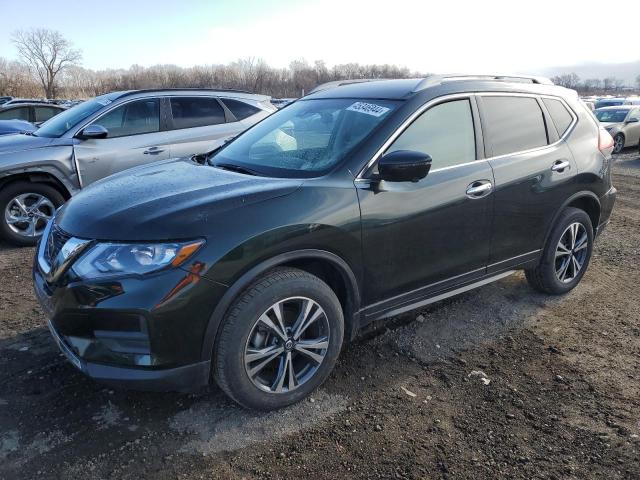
x=372, y=316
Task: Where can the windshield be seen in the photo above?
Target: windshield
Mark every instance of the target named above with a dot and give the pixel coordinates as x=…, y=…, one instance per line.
x=611, y=115
x=608, y=103
x=61, y=123
x=306, y=138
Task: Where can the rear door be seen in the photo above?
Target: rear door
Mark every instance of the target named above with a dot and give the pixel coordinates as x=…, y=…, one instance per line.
x=134, y=138
x=198, y=124
x=533, y=170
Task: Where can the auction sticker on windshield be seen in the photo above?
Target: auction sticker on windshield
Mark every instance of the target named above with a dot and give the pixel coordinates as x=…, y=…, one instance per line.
x=368, y=108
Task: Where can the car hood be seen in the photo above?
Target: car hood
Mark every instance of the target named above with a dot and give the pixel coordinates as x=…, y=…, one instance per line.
x=172, y=199
x=15, y=126
x=609, y=125
x=18, y=143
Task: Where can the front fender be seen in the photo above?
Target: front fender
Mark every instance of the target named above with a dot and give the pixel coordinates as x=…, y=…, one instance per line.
x=250, y=275
x=56, y=162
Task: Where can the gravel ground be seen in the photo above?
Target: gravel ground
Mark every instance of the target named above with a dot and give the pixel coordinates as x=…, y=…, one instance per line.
x=500, y=382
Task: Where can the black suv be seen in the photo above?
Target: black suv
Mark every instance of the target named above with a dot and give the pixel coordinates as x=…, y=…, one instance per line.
x=253, y=264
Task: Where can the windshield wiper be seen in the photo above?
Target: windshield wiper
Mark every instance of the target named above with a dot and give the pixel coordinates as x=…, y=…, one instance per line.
x=236, y=168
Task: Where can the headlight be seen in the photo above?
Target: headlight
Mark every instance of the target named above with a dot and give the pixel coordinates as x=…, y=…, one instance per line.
x=117, y=259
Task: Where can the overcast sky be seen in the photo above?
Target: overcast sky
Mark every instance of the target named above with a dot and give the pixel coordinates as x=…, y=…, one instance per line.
x=443, y=36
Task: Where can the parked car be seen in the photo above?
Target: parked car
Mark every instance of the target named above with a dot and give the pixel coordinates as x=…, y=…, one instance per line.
x=17, y=101
x=282, y=102
x=108, y=134
x=632, y=101
x=8, y=127
x=609, y=102
x=4, y=100
x=36, y=113
x=349, y=206
x=622, y=123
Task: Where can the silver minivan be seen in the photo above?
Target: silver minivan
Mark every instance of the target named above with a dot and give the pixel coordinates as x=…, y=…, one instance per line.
x=107, y=134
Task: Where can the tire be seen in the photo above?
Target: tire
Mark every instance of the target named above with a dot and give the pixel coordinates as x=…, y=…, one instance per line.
x=547, y=276
x=28, y=194
x=244, y=336
x=618, y=143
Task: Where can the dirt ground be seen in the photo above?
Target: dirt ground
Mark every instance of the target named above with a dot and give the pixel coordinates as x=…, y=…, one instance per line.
x=500, y=382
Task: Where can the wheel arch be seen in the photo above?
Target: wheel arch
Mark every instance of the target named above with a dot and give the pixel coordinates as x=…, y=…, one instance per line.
x=584, y=200
x=328, y=266
x=37, y=177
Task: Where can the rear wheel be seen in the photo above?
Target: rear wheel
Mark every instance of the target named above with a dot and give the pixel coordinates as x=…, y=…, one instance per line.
x=566, y=255
x=618, y=143
x=25, y=209
x=279, y=341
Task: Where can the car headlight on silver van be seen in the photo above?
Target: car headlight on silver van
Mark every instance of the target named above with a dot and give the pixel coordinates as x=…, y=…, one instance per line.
x=107, y=259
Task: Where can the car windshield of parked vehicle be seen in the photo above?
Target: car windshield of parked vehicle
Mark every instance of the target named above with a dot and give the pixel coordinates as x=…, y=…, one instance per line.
x=611, y=115
x=305, y=139
x=60, y=124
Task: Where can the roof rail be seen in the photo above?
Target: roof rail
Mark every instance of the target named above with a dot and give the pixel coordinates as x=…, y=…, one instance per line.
x=339, y=83
x=439, y=79
x=193, y=89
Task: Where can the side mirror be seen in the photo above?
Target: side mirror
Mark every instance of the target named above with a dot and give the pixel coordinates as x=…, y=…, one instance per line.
x=93, y=131
x=632, y=120
x=404, y=166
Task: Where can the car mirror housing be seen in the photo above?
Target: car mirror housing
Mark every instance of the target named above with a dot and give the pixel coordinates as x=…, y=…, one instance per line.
x=404, y=166
x=93, y=131
x=632, y=120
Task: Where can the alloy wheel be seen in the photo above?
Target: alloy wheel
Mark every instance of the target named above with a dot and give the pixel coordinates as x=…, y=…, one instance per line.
x=618, y=143
x=27, y=214
x=287, y=345
x=571, y=252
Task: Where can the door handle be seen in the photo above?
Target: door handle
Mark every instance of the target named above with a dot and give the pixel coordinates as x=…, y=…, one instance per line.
x=560, y=165
x=153, y=151
x=479, y=189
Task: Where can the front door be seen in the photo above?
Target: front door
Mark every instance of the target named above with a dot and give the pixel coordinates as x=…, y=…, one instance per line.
x=425, y=236
x=134, y=139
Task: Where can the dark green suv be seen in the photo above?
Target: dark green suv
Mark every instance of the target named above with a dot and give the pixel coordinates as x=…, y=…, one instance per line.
x=253, y=265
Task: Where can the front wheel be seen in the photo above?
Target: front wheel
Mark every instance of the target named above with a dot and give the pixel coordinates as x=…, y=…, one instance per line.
x=26, y=208
x=618, y=143
x=279, y=341
x=566, y=255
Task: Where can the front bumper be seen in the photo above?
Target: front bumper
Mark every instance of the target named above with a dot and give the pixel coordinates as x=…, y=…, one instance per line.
x=140, y=332
x=179, y=379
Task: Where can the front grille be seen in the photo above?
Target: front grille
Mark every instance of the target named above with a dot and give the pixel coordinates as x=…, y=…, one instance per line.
x=55, y=242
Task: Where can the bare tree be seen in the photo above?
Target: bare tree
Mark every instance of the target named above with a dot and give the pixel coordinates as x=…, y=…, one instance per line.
x=568, y=80
x=47, y=53
x=592, y=84
x=609, y=83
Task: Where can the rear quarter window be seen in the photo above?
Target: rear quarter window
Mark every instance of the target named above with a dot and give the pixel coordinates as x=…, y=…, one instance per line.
x=514, y=124
x=559, y=114
x=240, y=110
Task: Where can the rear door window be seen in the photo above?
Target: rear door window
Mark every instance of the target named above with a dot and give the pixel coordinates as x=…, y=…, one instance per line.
x=445, y=132
x=45, y=113
x=240, y=110
x=133, y=118
x=21, y=113
x=189, y=112
x=514, y=124
x=559, y=114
